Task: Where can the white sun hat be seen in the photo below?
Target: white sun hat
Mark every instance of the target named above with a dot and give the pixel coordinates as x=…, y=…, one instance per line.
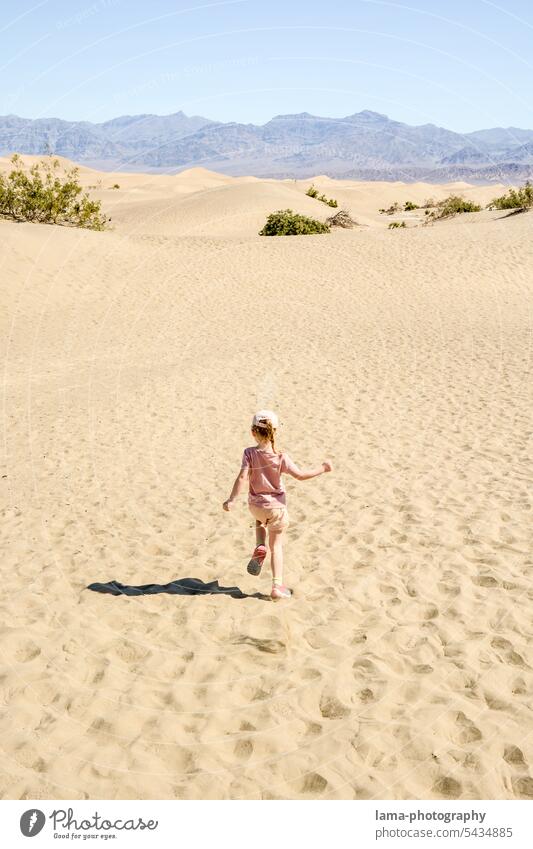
x=263, y=416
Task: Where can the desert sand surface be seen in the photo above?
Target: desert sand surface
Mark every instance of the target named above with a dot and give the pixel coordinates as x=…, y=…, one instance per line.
x=133, y=360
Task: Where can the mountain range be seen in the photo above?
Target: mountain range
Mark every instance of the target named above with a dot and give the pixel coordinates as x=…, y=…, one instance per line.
x=366, y=145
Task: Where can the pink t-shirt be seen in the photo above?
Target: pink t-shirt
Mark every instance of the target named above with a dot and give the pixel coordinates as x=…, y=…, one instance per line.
x=266, y=467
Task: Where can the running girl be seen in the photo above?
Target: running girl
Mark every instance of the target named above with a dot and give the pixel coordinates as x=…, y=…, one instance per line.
x=262, y=467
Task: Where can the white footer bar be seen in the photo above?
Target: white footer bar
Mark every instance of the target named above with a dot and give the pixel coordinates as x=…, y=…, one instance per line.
x=268, y=824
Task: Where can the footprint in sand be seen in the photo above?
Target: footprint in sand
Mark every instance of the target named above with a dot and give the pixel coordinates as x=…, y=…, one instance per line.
x=243, y=749
x=448, y=787
x=523, y=787
x=448, y=589
x=129, y=652
x=469, y=732
x=332, y=708
x=101, y=724
x=514, y=756
x=367, y=695
x=519, y=687
x=494, y=703
x=314, y=783
x=507, y=652
x=263, y=645
x=98, y=676
x=485, y=581
x=423, y=669
x=27, y=652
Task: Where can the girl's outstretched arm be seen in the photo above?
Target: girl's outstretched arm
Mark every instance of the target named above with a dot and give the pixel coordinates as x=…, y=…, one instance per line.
x=306, y=474
x=238, y=487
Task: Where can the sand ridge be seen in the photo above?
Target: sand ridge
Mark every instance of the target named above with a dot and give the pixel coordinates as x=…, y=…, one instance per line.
x=133, y=360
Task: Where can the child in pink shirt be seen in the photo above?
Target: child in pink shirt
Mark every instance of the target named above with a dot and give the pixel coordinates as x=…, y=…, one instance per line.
x=262, y=466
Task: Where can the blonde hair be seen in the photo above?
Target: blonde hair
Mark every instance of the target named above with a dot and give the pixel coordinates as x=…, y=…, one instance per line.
x=266, y=431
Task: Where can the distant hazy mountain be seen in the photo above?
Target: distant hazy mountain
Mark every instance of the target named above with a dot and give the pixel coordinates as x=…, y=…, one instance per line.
x=115, y=141
x=366, y=145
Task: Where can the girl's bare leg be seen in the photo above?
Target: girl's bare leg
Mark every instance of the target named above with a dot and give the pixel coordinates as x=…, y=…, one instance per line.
x=256, y=563
x=260, y=533
x=275, y=541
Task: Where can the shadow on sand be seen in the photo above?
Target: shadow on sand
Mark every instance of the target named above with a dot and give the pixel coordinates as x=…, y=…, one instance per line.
x=181, y=586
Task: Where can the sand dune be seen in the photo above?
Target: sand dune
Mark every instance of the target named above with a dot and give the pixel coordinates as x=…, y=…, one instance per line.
x=231, y=210
x=133, y=360
x=195, y=204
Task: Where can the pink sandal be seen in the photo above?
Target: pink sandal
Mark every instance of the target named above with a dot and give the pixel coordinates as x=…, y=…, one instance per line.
x=280, y=591
x=256, y=563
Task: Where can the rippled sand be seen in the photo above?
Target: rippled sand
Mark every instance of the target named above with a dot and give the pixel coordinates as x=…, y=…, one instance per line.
x=133, y=360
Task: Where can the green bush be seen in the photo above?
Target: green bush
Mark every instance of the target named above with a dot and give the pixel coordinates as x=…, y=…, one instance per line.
x=408, y=206
x=394, y=224
x=313, y=193
x=395, y=207
x=521, y=198
x=285, y=222
x=43, y=194
x=453, y=205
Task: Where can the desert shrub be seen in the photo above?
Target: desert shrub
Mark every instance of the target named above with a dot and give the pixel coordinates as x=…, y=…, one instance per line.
x=285, y=222
x=342, y=218
x=313, y=193
x=521, y=198
x=115, y=186
x=408, y=206
x=395, y=207
x=395, y=224
x=43, y=194
x=453, y=205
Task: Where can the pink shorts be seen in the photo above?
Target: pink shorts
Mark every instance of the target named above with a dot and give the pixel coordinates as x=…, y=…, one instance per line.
x=273, y=518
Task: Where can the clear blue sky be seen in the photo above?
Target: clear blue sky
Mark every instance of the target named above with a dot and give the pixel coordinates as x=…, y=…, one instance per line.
x=464, y=64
